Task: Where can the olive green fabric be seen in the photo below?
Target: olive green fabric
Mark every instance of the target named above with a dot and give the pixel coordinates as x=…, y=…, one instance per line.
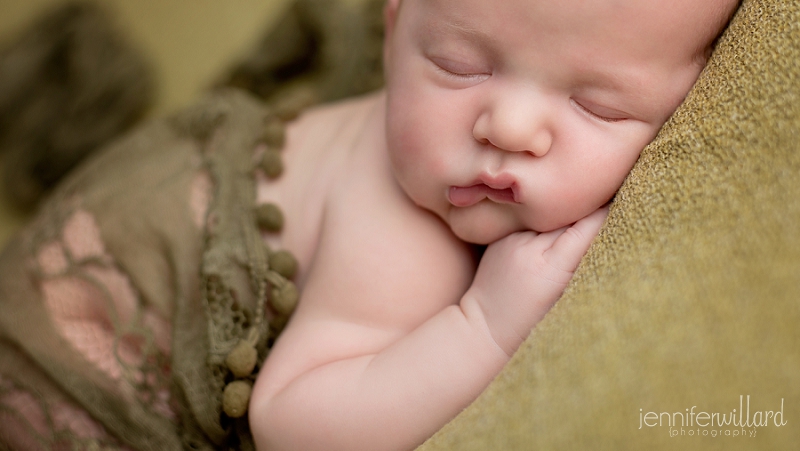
x=172, y=208
x=691, y=294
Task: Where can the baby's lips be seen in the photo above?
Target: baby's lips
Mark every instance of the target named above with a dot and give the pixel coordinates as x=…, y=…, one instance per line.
x=460, y=196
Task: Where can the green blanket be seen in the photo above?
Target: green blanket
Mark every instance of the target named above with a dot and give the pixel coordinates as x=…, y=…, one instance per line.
x=691, y=295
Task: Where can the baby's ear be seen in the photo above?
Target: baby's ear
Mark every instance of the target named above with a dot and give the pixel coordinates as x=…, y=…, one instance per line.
x=390, y=15
x=390, y=11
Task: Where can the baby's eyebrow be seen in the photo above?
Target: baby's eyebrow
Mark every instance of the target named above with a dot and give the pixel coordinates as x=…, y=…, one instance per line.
x=462, y=30
x=614, y=80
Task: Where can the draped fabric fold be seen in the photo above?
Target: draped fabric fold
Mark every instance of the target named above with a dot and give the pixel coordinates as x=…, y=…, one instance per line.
x=101, y=302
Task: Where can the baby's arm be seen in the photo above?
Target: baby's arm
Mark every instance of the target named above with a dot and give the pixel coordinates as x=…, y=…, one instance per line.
x=373, y=388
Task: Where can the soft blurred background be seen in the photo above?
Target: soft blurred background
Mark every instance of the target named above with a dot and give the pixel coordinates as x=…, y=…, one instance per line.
x=186, y=43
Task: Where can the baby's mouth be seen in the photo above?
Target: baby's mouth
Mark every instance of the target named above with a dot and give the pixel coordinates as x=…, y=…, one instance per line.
x=467, y=196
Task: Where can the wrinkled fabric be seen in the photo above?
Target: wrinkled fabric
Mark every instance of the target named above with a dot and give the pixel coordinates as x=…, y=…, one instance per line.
x=121, y=301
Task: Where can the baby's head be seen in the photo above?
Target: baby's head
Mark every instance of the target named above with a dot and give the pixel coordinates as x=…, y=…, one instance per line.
x=528, y=114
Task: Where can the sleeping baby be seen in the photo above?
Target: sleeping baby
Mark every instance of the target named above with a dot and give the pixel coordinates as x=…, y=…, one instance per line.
x=507, y=124
x=434, y=224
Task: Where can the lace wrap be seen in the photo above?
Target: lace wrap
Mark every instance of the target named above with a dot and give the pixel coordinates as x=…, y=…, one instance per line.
x=159, y=237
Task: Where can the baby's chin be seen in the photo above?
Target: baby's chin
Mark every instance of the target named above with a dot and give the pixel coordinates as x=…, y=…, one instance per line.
x=473, y=227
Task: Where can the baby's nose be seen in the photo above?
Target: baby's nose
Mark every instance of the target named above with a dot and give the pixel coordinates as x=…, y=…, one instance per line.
x=515, y=126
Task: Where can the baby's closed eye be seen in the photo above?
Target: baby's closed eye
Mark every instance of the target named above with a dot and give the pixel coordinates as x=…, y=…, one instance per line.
x=459, y=70
x=600, y=112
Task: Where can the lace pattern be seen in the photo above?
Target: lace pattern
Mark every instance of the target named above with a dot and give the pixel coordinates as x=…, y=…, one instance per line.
x=119, y=304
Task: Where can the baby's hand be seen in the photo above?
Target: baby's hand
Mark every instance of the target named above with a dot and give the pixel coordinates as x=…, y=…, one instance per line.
x=522, y=275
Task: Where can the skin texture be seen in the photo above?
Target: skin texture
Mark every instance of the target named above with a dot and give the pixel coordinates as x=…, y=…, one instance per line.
x=510, y=124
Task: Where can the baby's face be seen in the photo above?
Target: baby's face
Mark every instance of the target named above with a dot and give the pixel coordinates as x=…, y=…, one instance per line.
x=528, y=114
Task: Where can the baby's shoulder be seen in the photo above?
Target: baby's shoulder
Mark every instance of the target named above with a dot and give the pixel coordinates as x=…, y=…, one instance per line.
x=356, y=234
x=333, y=124
x=316, y=147
x=379, y=266
x=393, y=263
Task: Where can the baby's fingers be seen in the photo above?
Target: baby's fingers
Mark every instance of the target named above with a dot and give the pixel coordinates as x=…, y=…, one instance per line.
x=569, y=247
